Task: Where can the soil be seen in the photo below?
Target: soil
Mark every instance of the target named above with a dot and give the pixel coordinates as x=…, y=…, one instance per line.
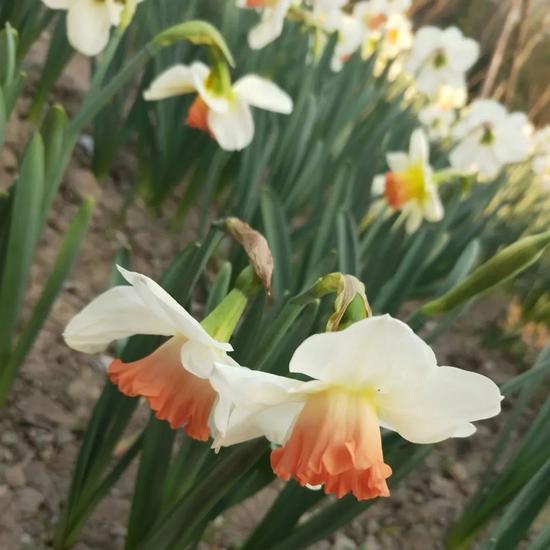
x=48, y=408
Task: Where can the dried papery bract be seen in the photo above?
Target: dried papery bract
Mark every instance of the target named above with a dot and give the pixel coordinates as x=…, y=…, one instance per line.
x=256, y=247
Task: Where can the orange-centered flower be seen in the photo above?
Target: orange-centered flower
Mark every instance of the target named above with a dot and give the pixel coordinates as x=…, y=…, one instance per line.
x=227, y=117
x=409, y=187
x=174, y=378
x=375, y=372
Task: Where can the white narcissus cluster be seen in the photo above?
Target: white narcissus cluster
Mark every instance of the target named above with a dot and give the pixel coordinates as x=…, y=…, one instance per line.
x=541, y=158
x=375, y=373
x=89, y=22
x=441, y=57
x=225, y=115
x=488, y=138
x=409, y=187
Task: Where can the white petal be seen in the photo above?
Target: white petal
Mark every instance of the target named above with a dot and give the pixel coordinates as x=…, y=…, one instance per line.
x=58, y=4
x=262, y=93
x=432, y=205
x=466, y=430
x=413, y=215
x=265, y=32
x=117, y=313
x=253, y=404
x=233, y=129
x=419, y=148
x=442, y=406
x=378, y=185
x=115, y=11
x=461, y=52
x=270, y=27
x=398, y=162
x=379, y=351
x=88, y=26
x=199, y=359
x=177, y=80
x=163, y=305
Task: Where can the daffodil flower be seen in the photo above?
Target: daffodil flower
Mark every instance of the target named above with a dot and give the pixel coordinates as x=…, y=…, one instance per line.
x=174, y=378
x=488, y=138
x=440, y=115
x=375, y=373
x=440, y=57
x=409, y=186
x=89, y=22
x=223, y=114
x=272, y=20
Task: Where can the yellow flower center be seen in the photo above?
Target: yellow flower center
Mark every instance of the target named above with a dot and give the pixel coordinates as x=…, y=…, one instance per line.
x=401, y=187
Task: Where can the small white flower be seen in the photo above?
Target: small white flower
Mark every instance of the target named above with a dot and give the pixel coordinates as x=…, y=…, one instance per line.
x=376, y=372
x=440, y=115
x=440, y=57
x=397, y=36
x=409, y=186
x=227, y=115
x=489, y=138
x=350, y=36
x=273, y=14
x=89, y=22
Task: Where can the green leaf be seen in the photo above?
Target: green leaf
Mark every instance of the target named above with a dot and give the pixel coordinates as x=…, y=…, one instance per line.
x=23, y=237
x=178, y=522
x=53, y=132
x=348, y=244
x=291, y=503
x=520, y=514
x=148, y=488
x=503, y=266
x=54, y=283
x=277, y=234
x=60, y=53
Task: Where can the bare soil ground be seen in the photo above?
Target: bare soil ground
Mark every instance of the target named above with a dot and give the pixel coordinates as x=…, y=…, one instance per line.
x=49, y=406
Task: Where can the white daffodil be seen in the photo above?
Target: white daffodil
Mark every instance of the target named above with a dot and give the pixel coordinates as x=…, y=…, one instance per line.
x=541, y=159
x=376, y=372
x=225, y=115
x=273, y=14
x=89, y=22
x=489, y=138
x=385, y=30
x=350, y=37
x=397, y=36
x=409, y=186
x=440, y=57
x=441, y=114
x=174, y=378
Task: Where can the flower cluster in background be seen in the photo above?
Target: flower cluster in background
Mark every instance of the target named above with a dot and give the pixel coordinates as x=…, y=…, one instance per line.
x=432, y=63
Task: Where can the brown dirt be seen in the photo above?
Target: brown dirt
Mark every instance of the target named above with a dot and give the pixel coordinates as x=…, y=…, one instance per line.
x=42, y=424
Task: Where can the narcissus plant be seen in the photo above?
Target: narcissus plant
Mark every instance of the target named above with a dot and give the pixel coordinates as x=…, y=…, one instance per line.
x=89, y=22
x=174, y=378
x=221, y=109
x=409, y=186
x=375, y=373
